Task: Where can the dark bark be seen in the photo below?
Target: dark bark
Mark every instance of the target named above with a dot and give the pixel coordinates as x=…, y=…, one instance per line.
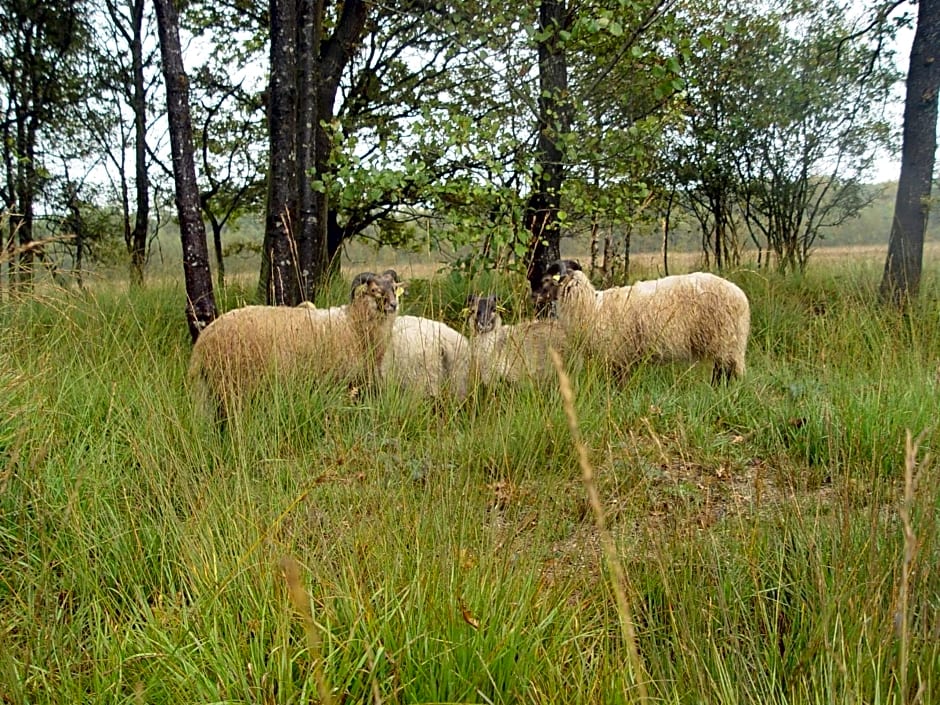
x=22, y=219
x=305, y=73
x=554, y=125
x=216, y=226
x=75, y=226
x=200, y=304
x=901, y=279
x=311, y=205
x=138, y=239
x=279, y=262
x=335, y=236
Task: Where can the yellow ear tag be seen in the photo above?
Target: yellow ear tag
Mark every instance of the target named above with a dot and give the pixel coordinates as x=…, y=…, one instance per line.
x=501, y=309
x=556, y=277
x=399, y=291
x=466, y=312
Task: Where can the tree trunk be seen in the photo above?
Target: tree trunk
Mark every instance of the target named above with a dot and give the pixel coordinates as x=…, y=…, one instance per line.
x=595, y=228
x=335, y=236
x=200, y=303
x=22, y=219
x=278, y=281
x=336, y=51
x=219, y=254
x=554, y=125
x=305, y=74
x=311, y=236
x=138, y=242
x=75, y=226
x=901, y=279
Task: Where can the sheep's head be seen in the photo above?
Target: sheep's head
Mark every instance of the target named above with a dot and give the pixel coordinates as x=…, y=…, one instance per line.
x=483, y=313
x=557, y=274
x=378, y=292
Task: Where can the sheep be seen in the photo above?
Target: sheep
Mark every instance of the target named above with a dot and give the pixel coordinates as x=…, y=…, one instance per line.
x=427, y=357
x=510, y=353
x=240, y=349
x=689, y=317
x=424, y=356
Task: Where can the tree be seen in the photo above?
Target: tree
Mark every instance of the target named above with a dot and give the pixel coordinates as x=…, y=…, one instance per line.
x=626, y=86
x=228, y=141
x=901, y=278
x=306, y=68
x=41, y=82
x=200, y=299
x=596, y=126
x=128, y=23
x=554, y=123
x=810, y=148
x=784, y=110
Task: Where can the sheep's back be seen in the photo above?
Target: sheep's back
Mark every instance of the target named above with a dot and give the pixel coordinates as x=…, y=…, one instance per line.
x=242, y=347
x=680, y=317
x=426, y=356
x=514, y=353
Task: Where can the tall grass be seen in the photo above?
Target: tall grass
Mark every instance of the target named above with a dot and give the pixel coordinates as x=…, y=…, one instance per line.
x=390, y=549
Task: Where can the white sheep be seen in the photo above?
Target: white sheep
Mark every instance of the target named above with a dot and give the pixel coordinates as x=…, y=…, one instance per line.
x=427, y=357
x=510, y=353
x=424, y=356
x=238, y=351
x=687, y=317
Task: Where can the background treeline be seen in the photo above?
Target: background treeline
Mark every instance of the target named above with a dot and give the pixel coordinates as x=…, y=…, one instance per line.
x=244, y=240
x=464, y=126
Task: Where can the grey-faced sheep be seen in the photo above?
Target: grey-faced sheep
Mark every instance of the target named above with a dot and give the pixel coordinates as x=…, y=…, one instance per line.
x=243, y=348
x=424, y=356
x=687, y=317
x=510, y=353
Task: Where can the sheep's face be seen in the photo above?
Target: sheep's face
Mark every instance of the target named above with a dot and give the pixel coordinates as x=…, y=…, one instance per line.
x=380, y=291
x=555, y=276
x=483, y=312
x=547, y=293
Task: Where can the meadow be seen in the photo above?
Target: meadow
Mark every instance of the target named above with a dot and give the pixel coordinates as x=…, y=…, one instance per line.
x=772, y=541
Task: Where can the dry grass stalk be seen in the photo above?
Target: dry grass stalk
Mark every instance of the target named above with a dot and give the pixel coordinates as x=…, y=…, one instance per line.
x=301, y=602
x=911, y=446
x=618, y=577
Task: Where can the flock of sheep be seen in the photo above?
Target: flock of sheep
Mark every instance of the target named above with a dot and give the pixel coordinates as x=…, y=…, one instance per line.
x=365, y=342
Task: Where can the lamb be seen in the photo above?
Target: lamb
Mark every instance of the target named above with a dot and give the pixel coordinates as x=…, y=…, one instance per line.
x=689, y=317
x=510, y=353
x=238, y=351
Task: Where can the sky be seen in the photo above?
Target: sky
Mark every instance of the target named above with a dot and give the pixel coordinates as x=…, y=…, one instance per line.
x=888, y=166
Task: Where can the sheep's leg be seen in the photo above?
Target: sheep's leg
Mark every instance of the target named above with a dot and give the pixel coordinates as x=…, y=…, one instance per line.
x=723, y=372
x=623, y=372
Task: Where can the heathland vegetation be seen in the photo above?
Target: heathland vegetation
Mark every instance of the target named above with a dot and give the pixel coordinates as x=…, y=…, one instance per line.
x=774, y=539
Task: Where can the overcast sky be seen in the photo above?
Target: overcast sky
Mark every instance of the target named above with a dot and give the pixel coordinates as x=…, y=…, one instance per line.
x=888, y=166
